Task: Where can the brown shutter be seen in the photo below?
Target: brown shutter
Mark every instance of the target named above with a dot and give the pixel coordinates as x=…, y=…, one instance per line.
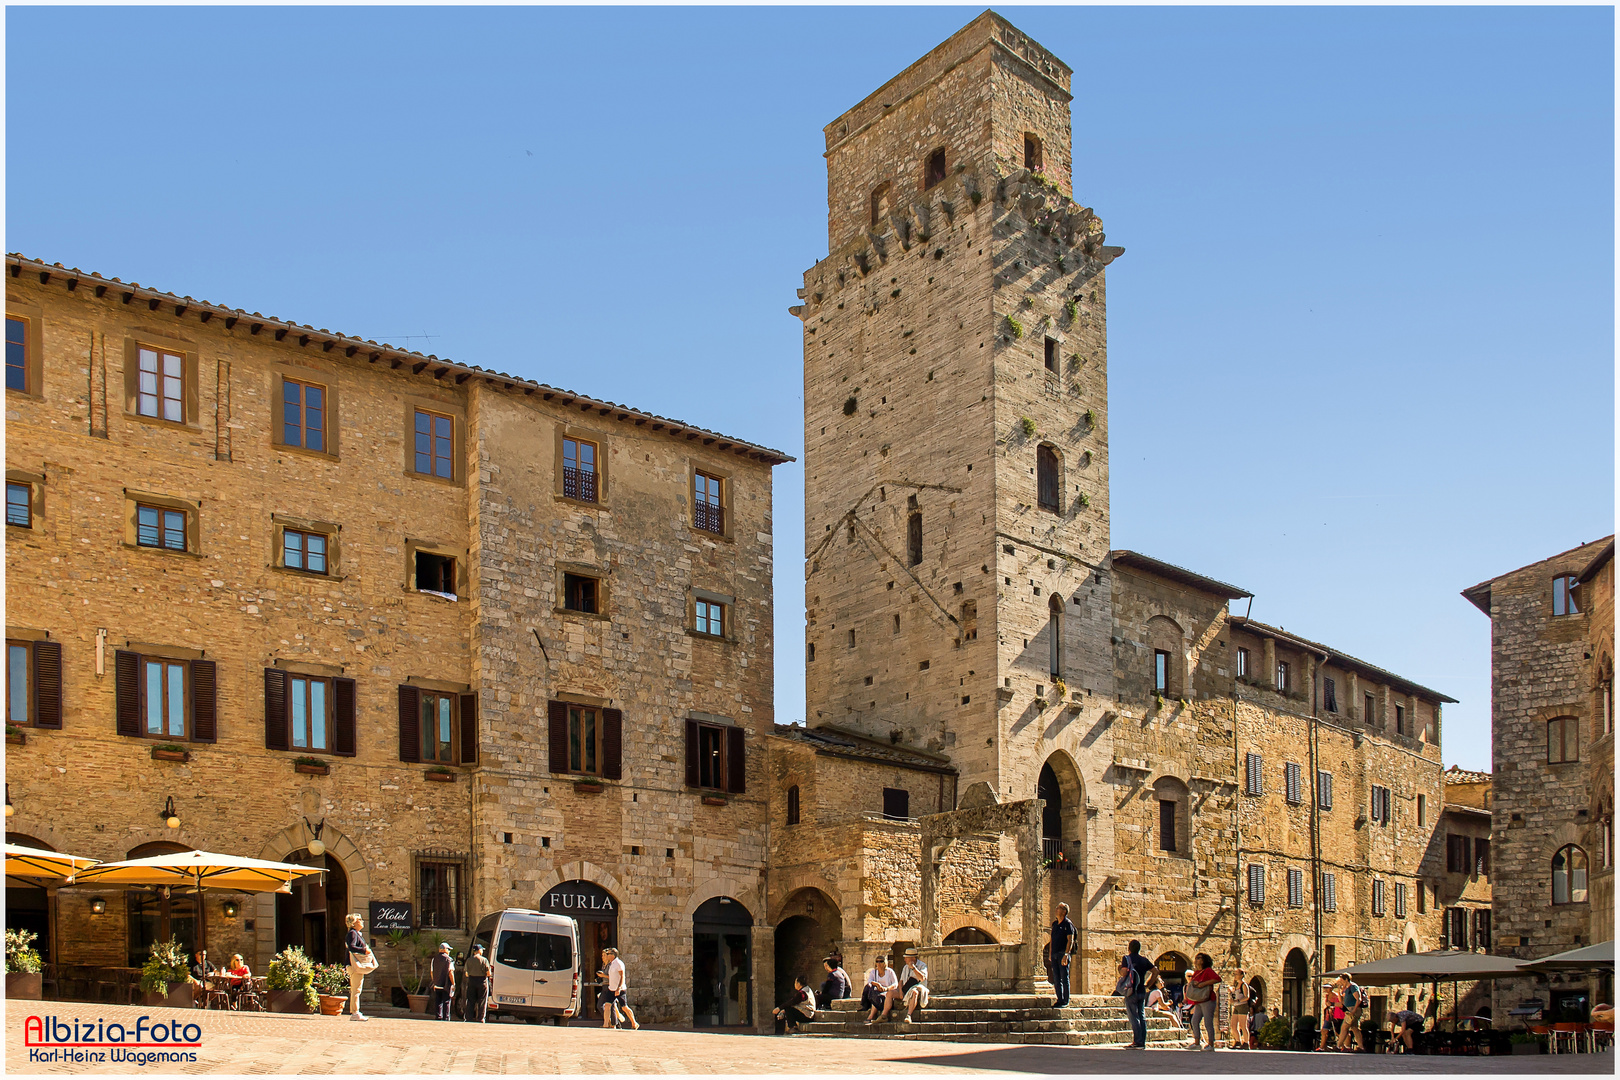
x=343, y=736
x=736, y=772
x=557, y=731
x=612, y=744
x=204, y=702
x=691, y=753
x=410, y=724
x=127, y=682
x=275, y=709
x=47, y=684
x=469, y=729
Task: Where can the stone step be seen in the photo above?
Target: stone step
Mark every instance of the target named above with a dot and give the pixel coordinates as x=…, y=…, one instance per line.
x=925, y=1025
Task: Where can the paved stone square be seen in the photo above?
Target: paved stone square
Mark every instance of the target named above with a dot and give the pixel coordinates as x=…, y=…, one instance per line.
x=258, y=1043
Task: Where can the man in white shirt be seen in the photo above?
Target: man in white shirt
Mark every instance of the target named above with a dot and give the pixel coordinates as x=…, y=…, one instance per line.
x=915, y=981
x=882, y=990
x=614, y=1002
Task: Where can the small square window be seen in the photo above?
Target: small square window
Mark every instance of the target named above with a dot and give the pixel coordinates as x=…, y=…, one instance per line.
x=307, y=551
x=435, y=444
x=896, y=804
x=157, y=527
x=580, y=593
x=710, y=618
x=19, y=505
x=434, y=573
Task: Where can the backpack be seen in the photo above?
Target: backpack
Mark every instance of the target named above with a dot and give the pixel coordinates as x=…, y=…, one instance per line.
x=1129, y=983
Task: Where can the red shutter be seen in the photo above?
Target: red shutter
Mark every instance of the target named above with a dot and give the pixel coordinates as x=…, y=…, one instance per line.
x=691, y=753
x=469, y=729
x=410, y=724
x=343, y=735
x=275, y=709
x=204, y=702
x=127, y=682
x=47, y=684
x=736, y=771
x=557, y=730
x=612, y=744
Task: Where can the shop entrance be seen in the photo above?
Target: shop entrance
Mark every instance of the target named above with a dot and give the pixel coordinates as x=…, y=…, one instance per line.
x=722, y=965
x=311, y=917
x=597, y=913
x=1296, y=976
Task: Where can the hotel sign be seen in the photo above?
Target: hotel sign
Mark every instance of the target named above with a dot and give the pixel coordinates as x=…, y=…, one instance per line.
x=390, y=915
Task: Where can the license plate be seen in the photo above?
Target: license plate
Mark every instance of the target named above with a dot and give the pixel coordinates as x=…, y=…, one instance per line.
x=512, y=1000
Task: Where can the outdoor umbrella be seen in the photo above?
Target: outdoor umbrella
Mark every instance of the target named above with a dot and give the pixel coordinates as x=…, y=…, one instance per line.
x=1599, y=957
x=31, y=862
x=1442, y=965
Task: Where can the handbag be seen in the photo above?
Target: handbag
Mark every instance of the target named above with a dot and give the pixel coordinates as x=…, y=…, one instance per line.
x=366, y=963
x=1197, y=993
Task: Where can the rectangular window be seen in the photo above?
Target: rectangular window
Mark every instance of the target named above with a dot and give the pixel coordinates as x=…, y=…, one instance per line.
x=19, y=683
x=307, y=704
x=307, y=551
x=1243, y=664
x=1422, y=898
x=1161, y=671
x=1330, y=898
x=1400, y=899
x=970, y=621
x=711, y=756
x=1378, y=897
x=435, y=443
x=434, y=573
x=1257, y=884
x=1566, y=595
x=1563, y=740
x=579, y=470
x=1400, y=720
x=579, y=593
x=1422, y=810
x=1332, y=957
x=708, y=513
x=1482, y=929
x=1167, y=825
x=1294, y=783
x=1379, y=805
x=1282, y=676
x=1324, y=790
x=584, y=740
x=1296, y=887
x=160, y=391
x=914, y=539
x=896, y=804
x=160, y=528
x=1032, y=152
x=1253, y=779
x=1330, y=696
x=303, y=415
x=16, y=354
x=809, y=652
x=438, y=726
x=1456, y=854
x=934, y=170
x=164, y=698
x=441, y=895
x=1482, y=856
x=1369, y=710
x=711, y=618
x=1051, y=355
x=19, y=504
x=1455, y=928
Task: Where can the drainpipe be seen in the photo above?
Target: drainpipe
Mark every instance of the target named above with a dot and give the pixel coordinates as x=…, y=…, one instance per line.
x=1316, y=831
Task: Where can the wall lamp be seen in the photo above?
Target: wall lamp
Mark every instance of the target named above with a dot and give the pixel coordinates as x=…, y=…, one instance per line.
x=168, y=814
x=231, y=909
x=98, y=906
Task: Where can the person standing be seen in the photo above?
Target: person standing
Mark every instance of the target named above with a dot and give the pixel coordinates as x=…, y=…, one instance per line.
x=1353, y=998
x=1240, y=1011
x=1133, y=972
x=1332, y=1017
x=478, y=976
x=616, y=995
x=1061, y=951
x=443, y=972
x=360, y=962
x=1200, y=990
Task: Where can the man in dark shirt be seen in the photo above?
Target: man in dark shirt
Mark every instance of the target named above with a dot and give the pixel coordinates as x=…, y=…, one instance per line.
x=444, y=981
x=477, y=985
x=1062, y=949
x=1137, y=998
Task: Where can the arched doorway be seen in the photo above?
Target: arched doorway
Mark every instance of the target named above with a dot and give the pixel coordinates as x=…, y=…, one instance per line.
x=810, y=929
x=968, y=935
x=597, y=912
x=1261, y=1001
x=1173, y=972
x=722, y=964
x=1296, y=976
x=28, y=906
x=311, y=916
x=1063, y=817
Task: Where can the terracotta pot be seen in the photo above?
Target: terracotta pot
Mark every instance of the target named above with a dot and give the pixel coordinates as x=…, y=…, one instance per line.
x=419, y=1002
x=180, y=996
x=287, y=1001
x=23, y=985
x=332, y=1006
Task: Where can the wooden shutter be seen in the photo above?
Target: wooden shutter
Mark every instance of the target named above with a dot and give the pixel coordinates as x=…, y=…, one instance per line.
x=691, y=753
x=612, y=744
x=469, y=729
x=204, y=702
x=736, y=767
x=557, y=725
x=127, y=682
x=275, y=709
x=410, y=724
x=344, y=741
x=47, y=684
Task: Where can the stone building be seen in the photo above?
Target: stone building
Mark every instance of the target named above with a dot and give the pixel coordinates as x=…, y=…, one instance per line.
x=956, y=368
x=491, y=642
x=1552, y=744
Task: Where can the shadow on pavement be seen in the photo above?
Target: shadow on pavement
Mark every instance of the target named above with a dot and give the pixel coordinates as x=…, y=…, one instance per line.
x=1063, y=1059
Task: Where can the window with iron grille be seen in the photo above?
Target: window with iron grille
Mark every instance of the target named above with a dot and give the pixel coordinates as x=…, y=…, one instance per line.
x=1324, y=790
x=158, y=527
x=579, y=470
x=1378, y=897
x=439, y=894
x=708, y=512
x=1253, y=781
x=1293, y=783
x=1400, y=900
x=1296, y=887
x=1330, y=696
x=1257, y=884
x=1330, y=894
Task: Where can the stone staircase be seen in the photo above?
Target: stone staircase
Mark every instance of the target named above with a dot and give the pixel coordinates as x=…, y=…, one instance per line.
x=1088, y=1020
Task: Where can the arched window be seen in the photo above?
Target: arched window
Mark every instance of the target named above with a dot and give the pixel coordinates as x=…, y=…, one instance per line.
x=1569, y=875
x=1172, y=834
x=1032, y=153
x=793, y=805
x=934, y=171
x=1054, y=623
x=880, y=203
x=1048, y=479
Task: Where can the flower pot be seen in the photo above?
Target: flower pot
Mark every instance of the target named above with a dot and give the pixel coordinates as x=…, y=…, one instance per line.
x=419, y=1003
x=311, y=770
x=25, y=985
x=332, y=1006
x=441, y=777
x=180, y=996
x=287, y=1001
x=170, y=755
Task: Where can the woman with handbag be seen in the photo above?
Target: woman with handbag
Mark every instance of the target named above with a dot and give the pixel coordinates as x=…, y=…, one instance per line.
x=1199, y=990
x=361, y=963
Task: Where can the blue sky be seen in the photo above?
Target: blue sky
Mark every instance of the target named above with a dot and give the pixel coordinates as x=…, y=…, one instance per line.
x=1361, y=340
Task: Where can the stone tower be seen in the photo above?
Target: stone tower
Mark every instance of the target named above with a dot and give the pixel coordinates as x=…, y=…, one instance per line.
x=956, y=427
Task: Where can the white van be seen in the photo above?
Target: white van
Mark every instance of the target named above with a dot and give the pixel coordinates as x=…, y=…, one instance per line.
x=534, y=959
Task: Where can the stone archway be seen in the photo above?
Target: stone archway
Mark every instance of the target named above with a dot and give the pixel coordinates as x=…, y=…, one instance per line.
x=808, y=929
x=289, y=841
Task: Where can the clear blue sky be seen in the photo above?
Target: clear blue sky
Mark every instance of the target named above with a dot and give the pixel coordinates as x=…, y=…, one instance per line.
x=1361, y=338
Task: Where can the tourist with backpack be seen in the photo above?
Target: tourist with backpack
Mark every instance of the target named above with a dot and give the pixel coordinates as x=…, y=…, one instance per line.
x=1242, y=1003
x=1353, y=999
x=1134, y=972
x=1199, y=990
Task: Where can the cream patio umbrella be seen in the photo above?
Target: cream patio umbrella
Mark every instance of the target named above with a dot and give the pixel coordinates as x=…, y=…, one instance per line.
x=32, y=862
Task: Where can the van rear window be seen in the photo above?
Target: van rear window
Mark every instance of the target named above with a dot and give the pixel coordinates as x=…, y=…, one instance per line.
x=537, y=952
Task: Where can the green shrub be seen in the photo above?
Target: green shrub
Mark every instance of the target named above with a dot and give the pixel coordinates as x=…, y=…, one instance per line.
x=20, y=953
x=1071, y=307
x=292, y=970
x=165, y=965
x=1028, y=427
x=1276, y=1033
x=332, y=980
x=1090, y=418
x=1015, y=326
x=1084, y=500
x=849, y=405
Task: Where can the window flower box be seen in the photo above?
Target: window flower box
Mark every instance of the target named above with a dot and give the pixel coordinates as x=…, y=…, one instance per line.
x=16, y=738
x=170, y=753
x=588, y=787
x=310, y=767
x=439, y=776
x=714, y=800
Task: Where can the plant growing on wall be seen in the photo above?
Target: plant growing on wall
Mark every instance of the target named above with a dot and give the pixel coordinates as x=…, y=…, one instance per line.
x=1015, y=326
x=165, y=966
x=1060, y=689
x=1071, y=307
x=1084, y=500
x=1028, y=427
x=849, y=405
x=1090, y=418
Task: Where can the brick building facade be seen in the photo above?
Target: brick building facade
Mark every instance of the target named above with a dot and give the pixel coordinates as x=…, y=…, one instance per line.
x=499, y=643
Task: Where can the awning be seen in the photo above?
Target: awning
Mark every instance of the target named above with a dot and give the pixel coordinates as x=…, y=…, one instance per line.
x=1442, y=965
x=1599, y=957
x=198, y=869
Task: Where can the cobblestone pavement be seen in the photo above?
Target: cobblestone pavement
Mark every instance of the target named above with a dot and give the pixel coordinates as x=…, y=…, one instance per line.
x=260, y=1043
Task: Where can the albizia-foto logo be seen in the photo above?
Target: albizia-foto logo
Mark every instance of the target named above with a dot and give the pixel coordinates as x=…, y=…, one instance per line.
x=51, y=1039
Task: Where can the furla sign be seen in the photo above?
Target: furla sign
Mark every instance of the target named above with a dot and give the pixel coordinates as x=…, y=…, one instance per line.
x=579, y=898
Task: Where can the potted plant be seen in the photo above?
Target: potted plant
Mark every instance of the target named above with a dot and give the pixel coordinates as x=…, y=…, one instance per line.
x=311, y=766
x=15, y=735
x=23, y=979
x=332, y=985
x=408, y=948
x=166, y=976
x=170, y=752
x=291, y=982
x=1524, y=1042
x=1276, y=1033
